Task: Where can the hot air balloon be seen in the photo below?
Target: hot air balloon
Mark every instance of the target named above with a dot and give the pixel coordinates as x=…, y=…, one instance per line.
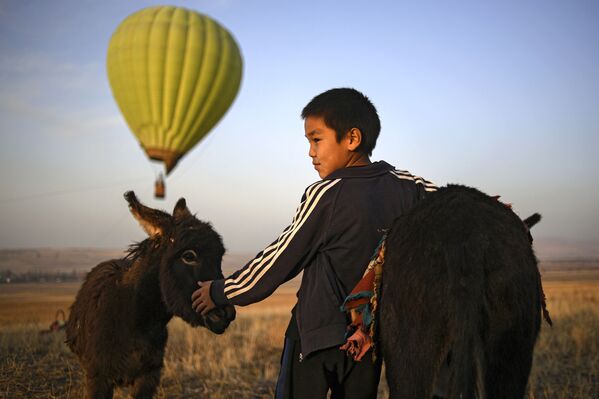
x=173, y=73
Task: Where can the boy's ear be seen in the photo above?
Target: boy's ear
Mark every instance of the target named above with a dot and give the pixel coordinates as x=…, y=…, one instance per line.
x=355, y=138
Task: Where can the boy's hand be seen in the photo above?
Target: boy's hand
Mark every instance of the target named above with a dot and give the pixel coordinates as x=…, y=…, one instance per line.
x=201, y=300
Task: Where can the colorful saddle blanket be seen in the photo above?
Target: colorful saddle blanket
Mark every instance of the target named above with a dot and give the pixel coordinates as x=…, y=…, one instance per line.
x=361, y=305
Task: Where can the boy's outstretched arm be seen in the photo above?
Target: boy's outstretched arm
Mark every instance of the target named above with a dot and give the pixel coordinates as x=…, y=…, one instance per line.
x=280, y=261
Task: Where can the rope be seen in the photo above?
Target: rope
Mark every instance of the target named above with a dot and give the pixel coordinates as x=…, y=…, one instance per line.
x=196, y=156
x=57, y=193
x=124, y=215
x=102, y=237
x=67, y=191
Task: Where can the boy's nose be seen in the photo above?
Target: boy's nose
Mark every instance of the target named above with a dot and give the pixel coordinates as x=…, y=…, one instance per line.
x=311, y=152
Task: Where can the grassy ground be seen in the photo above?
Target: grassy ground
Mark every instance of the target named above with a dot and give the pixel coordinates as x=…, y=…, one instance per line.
x=243, y=363
x=566, y=362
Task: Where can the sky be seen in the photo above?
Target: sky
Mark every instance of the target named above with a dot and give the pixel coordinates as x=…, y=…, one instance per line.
x=502, y=96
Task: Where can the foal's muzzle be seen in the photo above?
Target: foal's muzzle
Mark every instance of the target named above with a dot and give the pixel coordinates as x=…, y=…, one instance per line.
x=217, y=320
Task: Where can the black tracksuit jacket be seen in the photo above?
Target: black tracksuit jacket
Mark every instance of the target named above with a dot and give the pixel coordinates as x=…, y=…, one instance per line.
x=334, y=232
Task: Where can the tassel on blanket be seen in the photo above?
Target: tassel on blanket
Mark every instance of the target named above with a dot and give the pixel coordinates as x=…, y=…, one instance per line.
x=357, y=344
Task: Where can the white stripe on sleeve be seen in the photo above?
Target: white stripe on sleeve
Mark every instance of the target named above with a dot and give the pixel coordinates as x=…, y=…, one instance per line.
x=261, y=265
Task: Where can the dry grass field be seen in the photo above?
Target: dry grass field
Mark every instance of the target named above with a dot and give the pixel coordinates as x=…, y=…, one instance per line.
x=243, y=362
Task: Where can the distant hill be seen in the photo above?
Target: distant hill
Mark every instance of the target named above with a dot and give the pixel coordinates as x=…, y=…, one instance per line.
x=80, y=259
x=552, y=249
x=549, y=251
x=52, y=259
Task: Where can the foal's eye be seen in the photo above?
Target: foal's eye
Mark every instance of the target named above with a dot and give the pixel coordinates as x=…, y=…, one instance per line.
x=189, y=257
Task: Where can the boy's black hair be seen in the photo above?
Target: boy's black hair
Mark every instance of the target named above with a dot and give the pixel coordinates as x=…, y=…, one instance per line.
x=343, y=109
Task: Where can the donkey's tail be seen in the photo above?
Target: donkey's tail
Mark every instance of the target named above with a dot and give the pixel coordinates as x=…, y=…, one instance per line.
x=466, y=367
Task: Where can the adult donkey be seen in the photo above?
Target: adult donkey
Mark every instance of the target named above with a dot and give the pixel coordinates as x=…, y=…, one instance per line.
x=461, y=299
x=117, y=324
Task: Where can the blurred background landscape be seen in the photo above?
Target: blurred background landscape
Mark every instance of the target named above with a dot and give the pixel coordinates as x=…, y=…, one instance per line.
x=244, y=362
x=501, y=96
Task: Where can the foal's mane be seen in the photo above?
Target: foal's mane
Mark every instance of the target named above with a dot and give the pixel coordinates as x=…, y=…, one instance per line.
x=137, y=249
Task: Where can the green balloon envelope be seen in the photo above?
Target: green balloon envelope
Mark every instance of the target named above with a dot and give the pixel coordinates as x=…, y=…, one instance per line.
x=173, y=73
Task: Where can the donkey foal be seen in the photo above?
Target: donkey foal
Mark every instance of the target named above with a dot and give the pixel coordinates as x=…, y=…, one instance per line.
x=117, y=324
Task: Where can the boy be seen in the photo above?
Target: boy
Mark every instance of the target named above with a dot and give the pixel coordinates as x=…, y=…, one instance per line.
x=336, y=228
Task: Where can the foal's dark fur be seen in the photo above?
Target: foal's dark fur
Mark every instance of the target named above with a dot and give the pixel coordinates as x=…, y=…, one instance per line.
x=117, y=324
x=460, y=287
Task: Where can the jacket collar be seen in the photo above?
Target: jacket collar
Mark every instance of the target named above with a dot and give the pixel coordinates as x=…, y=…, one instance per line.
x=374, y=169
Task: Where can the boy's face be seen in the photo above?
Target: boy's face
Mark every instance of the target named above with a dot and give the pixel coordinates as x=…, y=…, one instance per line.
x=327, y=154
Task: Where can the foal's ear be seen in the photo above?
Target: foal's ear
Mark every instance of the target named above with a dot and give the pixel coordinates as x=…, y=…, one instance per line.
x=181, y=210
x=153, y=221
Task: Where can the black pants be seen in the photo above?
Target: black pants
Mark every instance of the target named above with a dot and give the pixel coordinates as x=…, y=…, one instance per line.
x=324, y=370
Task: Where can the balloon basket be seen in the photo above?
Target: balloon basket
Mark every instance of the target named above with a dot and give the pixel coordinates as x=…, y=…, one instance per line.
x=159, y=188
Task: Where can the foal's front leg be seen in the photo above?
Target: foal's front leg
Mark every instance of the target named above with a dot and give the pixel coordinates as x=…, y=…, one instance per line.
x=146, y=385
x=98, y=388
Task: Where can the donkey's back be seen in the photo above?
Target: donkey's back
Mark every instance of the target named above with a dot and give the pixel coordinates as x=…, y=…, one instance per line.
x=95, y=307
x=461, y=295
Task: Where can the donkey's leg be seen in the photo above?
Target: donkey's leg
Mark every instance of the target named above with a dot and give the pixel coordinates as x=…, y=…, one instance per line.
x=98, y=388
x=413, y=354
x=509, y=366
x=145, y=386
x=410, y=375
